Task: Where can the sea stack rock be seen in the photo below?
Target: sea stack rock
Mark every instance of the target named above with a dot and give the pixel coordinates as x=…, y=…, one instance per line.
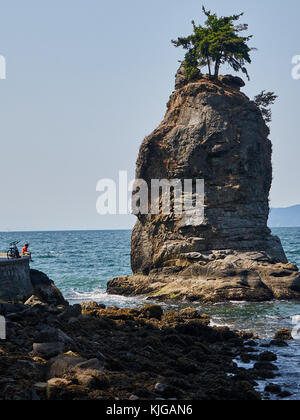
x=211, y=131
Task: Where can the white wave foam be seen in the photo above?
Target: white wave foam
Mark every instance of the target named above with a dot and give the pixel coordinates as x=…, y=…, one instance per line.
x=100, y=296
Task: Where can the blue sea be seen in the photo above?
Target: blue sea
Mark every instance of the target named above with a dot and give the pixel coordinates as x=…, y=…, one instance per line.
x=81, y=263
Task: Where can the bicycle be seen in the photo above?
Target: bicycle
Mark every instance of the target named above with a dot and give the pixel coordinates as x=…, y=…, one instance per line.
x=13, y=251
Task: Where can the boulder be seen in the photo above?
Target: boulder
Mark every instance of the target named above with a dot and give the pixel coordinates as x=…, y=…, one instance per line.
x=45, y=289
x=52, y=335
x=47, y=350
x=233, y=81
x=268, y=356
x=273, y=389
x=62, y=365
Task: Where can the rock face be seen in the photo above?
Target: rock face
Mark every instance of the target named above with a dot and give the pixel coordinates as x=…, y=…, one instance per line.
x=211, y=131
x=45, y=289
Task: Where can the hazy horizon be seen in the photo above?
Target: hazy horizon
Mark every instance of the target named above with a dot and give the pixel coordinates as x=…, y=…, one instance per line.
x=87, y=81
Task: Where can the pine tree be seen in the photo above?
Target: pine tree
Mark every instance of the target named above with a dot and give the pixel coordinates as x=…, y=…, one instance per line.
x=216, y=43
x=264, y=100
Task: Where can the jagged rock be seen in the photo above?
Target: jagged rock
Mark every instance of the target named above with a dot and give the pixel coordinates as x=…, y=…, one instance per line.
x=211, y=131
x=45, y=289
x=35, y=301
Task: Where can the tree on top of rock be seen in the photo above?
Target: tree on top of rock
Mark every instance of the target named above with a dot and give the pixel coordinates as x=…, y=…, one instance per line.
x=216, y=43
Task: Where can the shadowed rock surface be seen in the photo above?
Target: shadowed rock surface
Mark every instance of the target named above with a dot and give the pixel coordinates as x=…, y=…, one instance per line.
x=19, y=283
x=211, y=131
x=124, y=354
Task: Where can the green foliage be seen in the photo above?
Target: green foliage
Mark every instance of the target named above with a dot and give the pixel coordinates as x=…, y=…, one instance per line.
x=264, y=100
x=216, y=43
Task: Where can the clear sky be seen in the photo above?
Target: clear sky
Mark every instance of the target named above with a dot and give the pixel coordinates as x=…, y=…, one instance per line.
x=88, y=79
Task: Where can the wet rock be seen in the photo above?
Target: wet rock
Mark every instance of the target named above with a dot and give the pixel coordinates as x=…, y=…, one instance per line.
x=268, y=356
x=245, y=358
x=283, y=334
x=278, y=343
x=189, y=313
x=247, y=335
x=273, y=389
x=285, y=394
x=251, y=343
x=88, y=307
x=265, y=366
x=263, y=374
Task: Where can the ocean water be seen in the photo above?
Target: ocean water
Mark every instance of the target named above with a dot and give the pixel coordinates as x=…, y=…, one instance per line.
x=81, y=263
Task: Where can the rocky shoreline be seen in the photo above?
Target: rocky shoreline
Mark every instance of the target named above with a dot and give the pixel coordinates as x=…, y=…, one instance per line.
x=55, y=351
x=234, y=277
